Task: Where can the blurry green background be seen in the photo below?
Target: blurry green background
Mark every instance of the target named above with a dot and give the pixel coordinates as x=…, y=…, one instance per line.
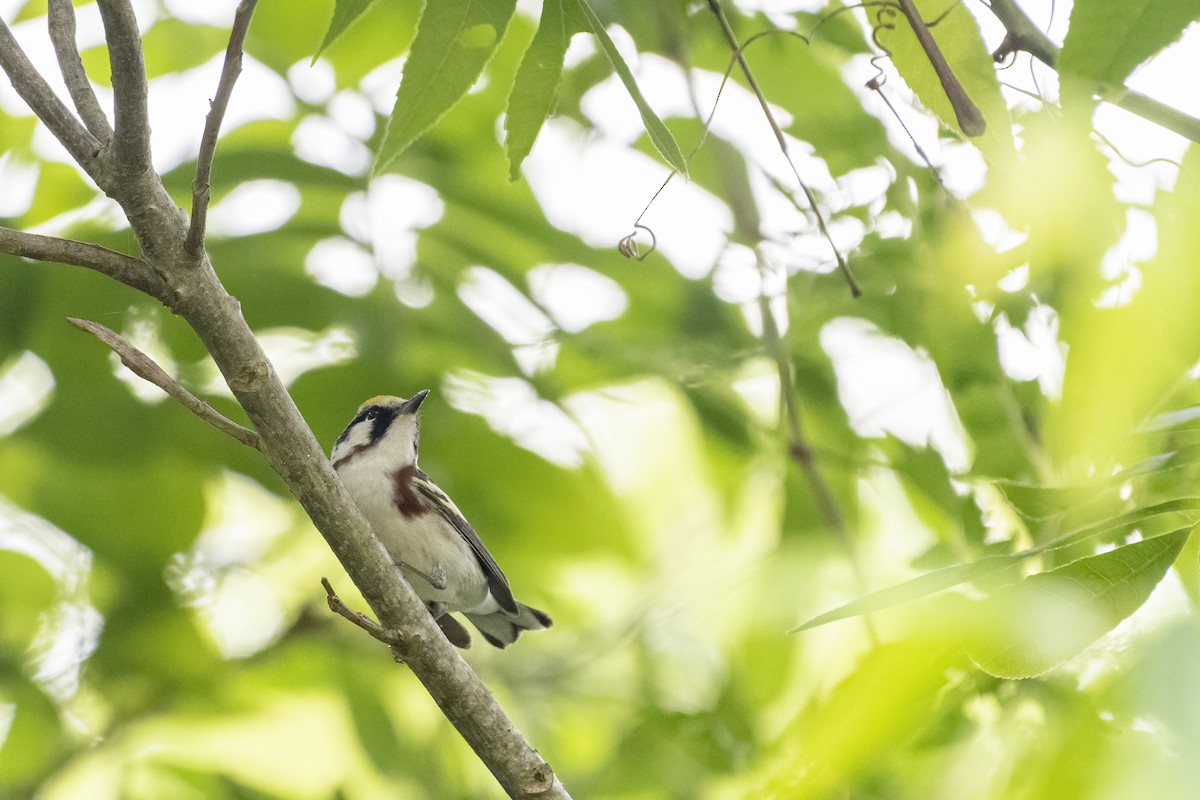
x=611, y=427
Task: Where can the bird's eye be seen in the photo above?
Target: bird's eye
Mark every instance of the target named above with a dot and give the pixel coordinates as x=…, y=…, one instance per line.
x=372, y=414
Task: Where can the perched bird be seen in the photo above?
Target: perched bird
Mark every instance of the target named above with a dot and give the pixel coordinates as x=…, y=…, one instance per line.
x=431, y=541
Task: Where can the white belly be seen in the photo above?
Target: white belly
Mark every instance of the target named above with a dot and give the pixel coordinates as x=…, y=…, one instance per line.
x=424, y=546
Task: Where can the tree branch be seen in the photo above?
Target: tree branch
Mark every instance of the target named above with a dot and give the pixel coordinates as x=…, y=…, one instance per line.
x=61, y=23
x=131, y=137
x=144, y=367
x=212, y=125
x=42, y=100
x=126, y=269
x=192, y=290
x=1024, y=35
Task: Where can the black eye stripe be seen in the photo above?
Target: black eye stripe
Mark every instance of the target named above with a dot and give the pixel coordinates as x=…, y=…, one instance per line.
x=380, y=417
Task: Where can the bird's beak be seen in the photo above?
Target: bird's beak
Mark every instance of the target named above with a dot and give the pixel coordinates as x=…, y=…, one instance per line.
x=413, y=403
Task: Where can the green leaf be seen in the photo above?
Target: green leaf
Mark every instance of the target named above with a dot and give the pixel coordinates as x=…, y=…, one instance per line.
x=536, y=85
x=345, y=14
x=914, y=589
x=1037, y=624
x=1182, y=419
x=936, y=581
x=455, y=40
x=26, y=593
x=957, y=36
x=659, y=133
x=1108, y=38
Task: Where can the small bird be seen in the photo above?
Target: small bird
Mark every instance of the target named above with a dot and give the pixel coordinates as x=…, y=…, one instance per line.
x=436, y=549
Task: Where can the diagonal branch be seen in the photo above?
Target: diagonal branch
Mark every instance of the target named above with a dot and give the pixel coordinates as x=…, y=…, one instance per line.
x=131, y=138
x=126, y=269
x=144, y=367
x=1023, y=35
x=970, y=119
x=42, y=100
x=61, y=21
x=212, y=126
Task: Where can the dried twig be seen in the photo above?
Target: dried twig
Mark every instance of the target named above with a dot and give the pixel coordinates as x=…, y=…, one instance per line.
x=970, y=119
x=61, y=23
x=212, y=126
x=144, y=367
x=401, y=645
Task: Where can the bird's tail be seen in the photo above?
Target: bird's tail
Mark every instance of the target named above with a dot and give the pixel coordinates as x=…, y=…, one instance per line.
x=502, y=628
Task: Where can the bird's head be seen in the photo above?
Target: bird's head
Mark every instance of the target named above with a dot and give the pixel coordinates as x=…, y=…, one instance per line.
x=383, y=424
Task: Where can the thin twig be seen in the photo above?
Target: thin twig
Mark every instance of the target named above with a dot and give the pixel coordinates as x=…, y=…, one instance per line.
x=799, y=449
x=145, y=368
x=1023, y=35
x=126, y=269
x=131, y=118
x=731, y=39
x=61, y=23
x=212, y=126
x=37, y=94
x=400, y=644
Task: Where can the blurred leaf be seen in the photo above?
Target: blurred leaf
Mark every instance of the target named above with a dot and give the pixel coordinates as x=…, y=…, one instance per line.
x=1048, y=618
x=1185, y=418
x=161, y=50
x=454, y=42
x=26, y=593
x=660, y=135
x=35, y=739
x=872, y=714
x=1108, y=38
x=536, y=84
x=1040, y=502
x=345, y=14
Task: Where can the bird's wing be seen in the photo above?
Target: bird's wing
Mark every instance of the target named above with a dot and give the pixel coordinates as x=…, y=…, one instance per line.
x=497, y=583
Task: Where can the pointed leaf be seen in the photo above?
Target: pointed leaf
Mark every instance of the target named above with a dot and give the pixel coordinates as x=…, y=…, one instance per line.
x=1108, y=38
x=536, y=85
x=914, y=589
x=659, y=134
x=455, y=40
x=948, y=577
x=345, y=13
x=1184, y=418
x=1048, y=618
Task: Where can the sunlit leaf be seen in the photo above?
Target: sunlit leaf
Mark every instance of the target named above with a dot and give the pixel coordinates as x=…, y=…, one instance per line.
x=345, y=14
x=536, y=84
x=454, y=42
x=660, y=135
x=1108, y=38
x=958, y=38
x=1035, y=625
